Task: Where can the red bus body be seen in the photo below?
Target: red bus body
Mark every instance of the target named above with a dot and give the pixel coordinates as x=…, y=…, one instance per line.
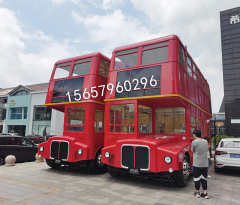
x=83, y=134
x=154, y=121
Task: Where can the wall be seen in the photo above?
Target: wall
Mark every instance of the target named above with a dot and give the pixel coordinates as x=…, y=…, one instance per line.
x=230, y=40
x=17, y=102
x=57, y=122
x=55, y=126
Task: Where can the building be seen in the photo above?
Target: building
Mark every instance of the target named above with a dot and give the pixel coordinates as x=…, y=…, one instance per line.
x=230, y=40
x=218, y=119
x=22, y=111
x=3, y=106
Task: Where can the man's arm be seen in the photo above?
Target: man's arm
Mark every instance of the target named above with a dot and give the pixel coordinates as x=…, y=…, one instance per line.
x=193, y=146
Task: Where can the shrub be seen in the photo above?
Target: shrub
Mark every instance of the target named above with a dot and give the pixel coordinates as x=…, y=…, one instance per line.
x=218, y=138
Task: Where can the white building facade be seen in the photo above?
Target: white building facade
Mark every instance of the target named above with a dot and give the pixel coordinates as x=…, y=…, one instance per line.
x=37, y=118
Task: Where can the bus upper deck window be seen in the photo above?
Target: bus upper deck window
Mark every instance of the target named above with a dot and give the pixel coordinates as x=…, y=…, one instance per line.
x=126, y=61
x=155, y=55
x=62, y=72
x=81, y=69
x=181, y=56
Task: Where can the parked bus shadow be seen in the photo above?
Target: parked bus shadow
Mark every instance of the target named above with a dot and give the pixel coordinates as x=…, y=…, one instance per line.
x=147, y=182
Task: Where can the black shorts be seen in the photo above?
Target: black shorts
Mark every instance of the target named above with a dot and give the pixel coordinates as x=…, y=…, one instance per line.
x=200, y=173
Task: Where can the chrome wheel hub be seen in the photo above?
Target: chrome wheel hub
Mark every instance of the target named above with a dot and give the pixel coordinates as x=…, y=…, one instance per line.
x=99, y=163
x=186, y=169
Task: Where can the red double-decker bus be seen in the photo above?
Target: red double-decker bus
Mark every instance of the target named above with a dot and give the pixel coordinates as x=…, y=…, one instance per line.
x=76, y=88
x=160, y=98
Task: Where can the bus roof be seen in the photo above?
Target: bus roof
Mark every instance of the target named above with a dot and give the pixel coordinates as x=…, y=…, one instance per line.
x=148, y=42
x=82, y=57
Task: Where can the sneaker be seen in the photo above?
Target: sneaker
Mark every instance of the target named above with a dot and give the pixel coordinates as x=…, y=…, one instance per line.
x=205, y=195
x=208, y=176
x=197, y=194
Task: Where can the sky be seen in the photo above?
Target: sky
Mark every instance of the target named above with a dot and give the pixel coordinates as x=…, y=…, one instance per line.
x=35, y=34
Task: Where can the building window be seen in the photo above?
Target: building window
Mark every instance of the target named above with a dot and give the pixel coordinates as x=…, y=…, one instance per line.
x=25, y=113
x=42, y=130
x=16, y=113
x=23, y=92
x=3, y=114
x=42, y=113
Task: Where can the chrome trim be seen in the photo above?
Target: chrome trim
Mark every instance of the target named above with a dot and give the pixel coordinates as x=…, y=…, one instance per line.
x=135, y=145
x=59, y=148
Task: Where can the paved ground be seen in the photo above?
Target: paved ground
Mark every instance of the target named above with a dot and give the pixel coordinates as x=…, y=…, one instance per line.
x=35, y=183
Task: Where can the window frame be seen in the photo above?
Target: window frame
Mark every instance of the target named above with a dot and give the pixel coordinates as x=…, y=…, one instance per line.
x=68, y=125
x=150, y=121
x=112, y=127
x=63, y=69
x=154, y=47
x=95, y=122
x=22, y=113
x=43, y=113
x=122, y=54
x=87, y=60
x=174, y=113
x=105, y=71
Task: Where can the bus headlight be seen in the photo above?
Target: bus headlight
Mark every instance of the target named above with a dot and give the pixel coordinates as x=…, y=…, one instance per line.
x=80, y=151
x=168, y=159
x=107, y=154
x=41, y=148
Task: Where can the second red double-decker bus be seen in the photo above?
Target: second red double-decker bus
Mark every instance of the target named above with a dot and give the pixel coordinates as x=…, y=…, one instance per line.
x=76, y=88
x=160, y=98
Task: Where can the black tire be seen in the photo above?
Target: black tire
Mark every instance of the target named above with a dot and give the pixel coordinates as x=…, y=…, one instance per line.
x=180, y=177
x=96, y=166
x=217, y=170
x=2, y=161
x=111, y=171
x=51, y=164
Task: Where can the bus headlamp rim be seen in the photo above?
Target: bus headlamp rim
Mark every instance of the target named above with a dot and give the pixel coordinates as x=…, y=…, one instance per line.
x=168, y=159
x=80, y=151
x=41, y=149
x=107, y=154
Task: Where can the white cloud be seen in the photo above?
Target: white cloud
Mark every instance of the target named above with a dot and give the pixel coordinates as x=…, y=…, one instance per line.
x=111, y=4
x=78, y=2
x=114, y=29
x=197, y=29
x=197, y=23
x=104, y=4
x=20, y=67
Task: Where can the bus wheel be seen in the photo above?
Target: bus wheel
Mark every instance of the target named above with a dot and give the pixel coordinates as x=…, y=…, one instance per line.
x=111, y=171
x=180, y=177
x=1, y=161
x=96, y=165
x=51, y=164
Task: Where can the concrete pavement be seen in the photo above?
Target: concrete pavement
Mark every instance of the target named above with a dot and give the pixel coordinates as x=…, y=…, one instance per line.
x=36, y=183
